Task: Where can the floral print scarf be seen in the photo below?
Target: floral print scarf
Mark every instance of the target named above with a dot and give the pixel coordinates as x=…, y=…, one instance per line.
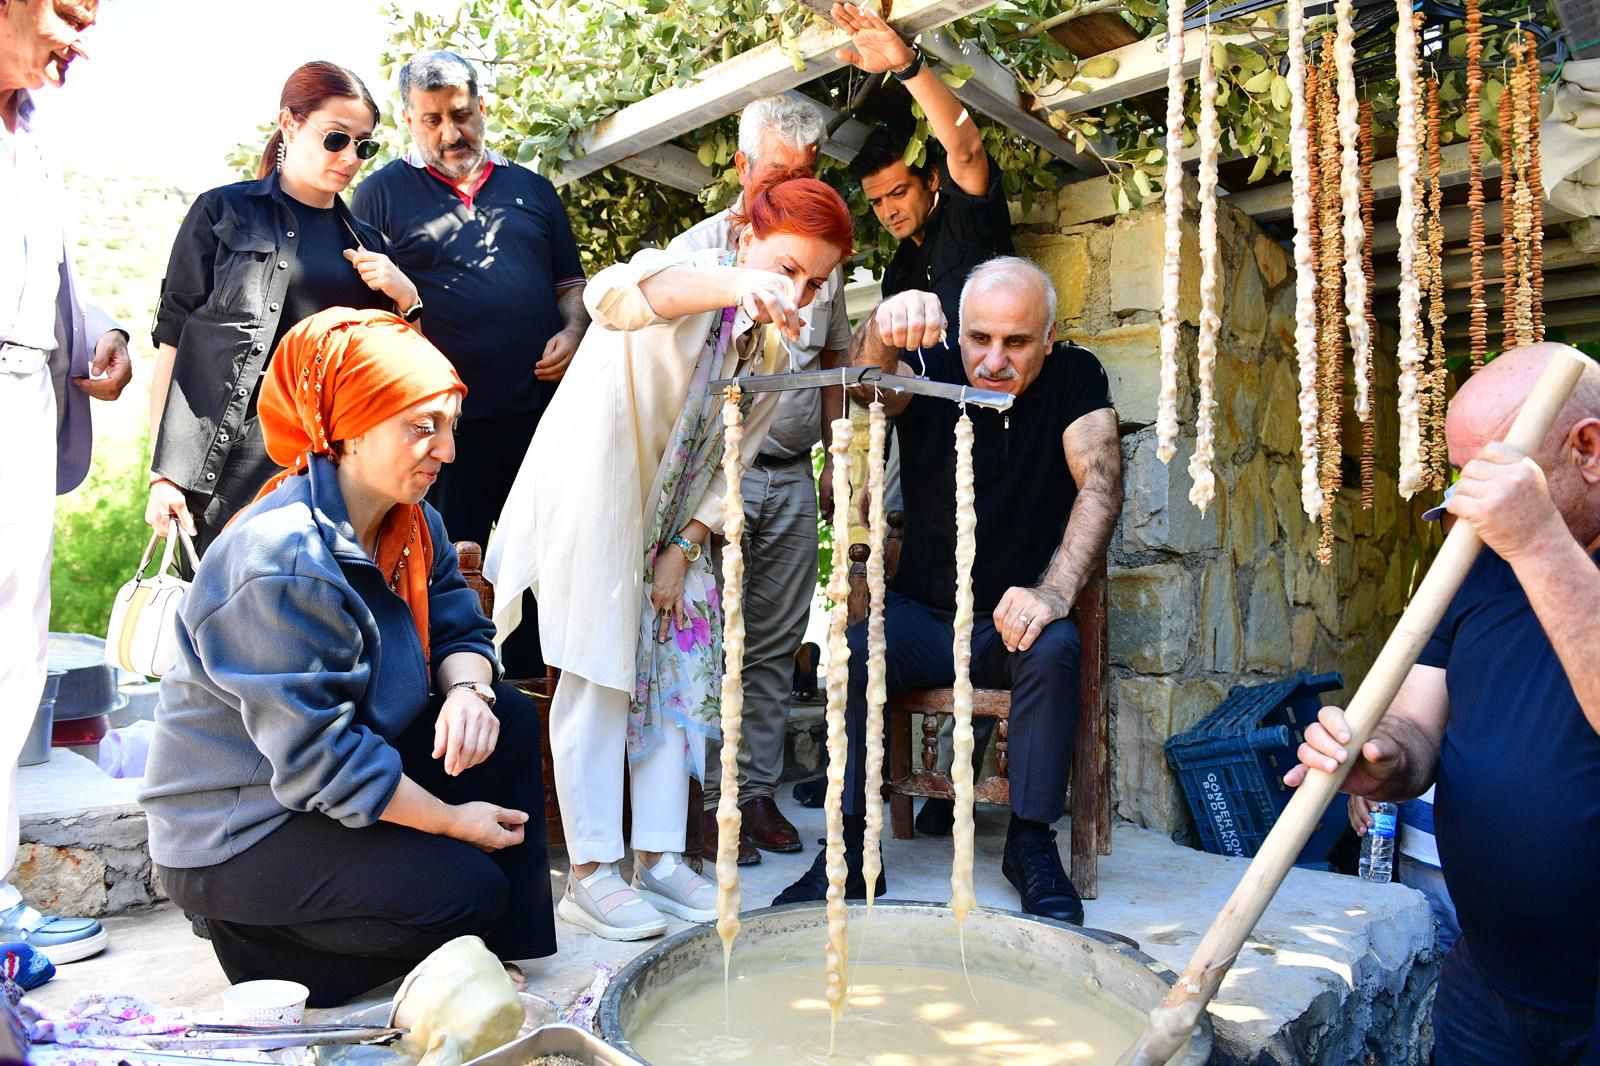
x=680, y=680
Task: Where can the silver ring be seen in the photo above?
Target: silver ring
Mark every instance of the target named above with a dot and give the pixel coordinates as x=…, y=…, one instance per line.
x=1023, y=618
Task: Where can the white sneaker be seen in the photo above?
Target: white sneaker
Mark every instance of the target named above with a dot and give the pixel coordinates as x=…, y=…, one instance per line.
x=673, y=886
x=604, y=904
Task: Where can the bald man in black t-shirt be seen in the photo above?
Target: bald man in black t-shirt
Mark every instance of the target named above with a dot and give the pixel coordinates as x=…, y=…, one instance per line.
x=1048, y=488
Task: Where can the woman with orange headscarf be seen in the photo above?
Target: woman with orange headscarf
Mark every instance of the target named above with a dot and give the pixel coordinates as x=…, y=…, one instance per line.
x=336, y=785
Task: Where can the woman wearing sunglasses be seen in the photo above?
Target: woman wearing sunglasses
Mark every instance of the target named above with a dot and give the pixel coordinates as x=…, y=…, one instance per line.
x=250, y=261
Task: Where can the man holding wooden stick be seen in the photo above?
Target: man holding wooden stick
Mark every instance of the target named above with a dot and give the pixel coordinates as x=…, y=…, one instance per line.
x=1502, y=713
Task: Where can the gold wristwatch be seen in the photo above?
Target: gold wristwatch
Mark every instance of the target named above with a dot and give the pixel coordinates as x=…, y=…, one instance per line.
x=478, y=689
x=691, y=550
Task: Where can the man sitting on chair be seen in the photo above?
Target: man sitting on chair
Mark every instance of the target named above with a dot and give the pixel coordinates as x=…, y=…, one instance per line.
x=1048, y=488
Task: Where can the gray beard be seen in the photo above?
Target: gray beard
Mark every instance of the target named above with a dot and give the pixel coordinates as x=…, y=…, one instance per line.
x=456, y=171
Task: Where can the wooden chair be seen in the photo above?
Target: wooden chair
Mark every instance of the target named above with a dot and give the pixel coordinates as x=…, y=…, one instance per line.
x=1090, y=783
x=539, y=689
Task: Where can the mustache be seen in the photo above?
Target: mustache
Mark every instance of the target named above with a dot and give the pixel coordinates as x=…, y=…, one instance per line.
x=1006, y=374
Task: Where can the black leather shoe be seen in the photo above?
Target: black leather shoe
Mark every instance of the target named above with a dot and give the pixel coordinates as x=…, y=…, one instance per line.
x=937, y=818
x=1032, y=864
x=811, y=794
x=812, y=887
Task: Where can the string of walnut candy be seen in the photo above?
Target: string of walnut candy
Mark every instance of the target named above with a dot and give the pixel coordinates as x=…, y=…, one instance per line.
x=1479, y=328
x=1424, y=287
x=1521, y=284
x=1302, y=175
x=1203, y=487
x=1536, y=186
x=837, y=958
x=728, y=817
x=1436, y=456
x=1172, y=255
x=1369, y=456
x=1508, y=204
x=1330, y=341
x=877, y=674
x=1355, y=233
x=1405, y=45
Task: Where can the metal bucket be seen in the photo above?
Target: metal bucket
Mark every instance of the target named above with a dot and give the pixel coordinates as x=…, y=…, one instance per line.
x=1006, y=944
x=36, y=749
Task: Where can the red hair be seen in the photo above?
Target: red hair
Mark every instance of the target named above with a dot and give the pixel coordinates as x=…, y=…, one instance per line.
x=795, y=202
x=308, y=88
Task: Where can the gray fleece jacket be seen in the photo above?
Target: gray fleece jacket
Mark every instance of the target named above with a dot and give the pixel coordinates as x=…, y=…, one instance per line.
x=297, y=666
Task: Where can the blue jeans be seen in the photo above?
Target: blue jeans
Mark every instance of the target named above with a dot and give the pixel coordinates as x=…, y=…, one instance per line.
x=1430, y=882
x=1473, y=1025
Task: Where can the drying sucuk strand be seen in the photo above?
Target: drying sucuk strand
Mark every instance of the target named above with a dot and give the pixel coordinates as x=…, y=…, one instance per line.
x=1204, y=487
x=1330, y=338
x=962, y=898
x=1522, y=317
x=877, y=647
x=1172, y=255
x=1424, y=285
x=1479, y=326
x=1536, y=186
x=728, y=817
x=1508, y=235
x=1305, y=271
x=838, y=952
x=1405, y=45
x=1355, y=233
x=1437, y=457
x=1368, y=427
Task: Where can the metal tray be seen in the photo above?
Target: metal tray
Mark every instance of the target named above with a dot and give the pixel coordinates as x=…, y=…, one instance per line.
x=566, y=1040
x=538, y=1012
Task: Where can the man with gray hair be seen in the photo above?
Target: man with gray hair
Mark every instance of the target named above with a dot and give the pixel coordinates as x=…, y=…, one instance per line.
x=491, y=252
x=777, y=135
x=1048, y=487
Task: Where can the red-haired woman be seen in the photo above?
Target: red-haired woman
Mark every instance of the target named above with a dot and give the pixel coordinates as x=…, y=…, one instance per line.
x=251, y=260
x=608, y=523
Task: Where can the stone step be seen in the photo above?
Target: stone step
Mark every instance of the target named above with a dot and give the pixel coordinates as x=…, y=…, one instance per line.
x=85, y=842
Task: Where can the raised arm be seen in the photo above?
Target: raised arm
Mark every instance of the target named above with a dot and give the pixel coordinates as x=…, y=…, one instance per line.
x=1094, y=456
x=879, y=49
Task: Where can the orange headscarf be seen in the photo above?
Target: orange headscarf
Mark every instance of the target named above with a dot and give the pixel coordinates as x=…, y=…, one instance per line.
x=334, y=376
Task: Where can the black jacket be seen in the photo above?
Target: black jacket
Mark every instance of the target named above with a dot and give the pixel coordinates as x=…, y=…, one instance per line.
x=220, y=305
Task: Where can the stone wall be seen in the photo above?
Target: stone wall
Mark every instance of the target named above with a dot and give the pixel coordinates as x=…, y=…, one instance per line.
x=1201, y=603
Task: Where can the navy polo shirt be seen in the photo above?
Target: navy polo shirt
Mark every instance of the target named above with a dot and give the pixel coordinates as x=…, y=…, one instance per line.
x=1517, y=811
x=488, y=266
x=1022, y=485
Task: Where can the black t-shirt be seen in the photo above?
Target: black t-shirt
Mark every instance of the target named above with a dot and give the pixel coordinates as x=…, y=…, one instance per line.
x=1023, y=488
x=1517, y=807
x=488, y=275
x=961, y=232
x=321, y=277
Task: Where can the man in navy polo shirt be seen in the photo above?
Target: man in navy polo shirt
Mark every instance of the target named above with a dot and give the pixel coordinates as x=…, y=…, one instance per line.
x=489, y=247
x=1501, y=712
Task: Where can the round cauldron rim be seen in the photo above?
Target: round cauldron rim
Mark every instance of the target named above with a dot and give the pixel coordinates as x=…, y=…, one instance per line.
x=609, y=1022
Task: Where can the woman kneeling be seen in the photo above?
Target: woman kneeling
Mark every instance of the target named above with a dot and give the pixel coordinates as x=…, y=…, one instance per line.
x=331, y=820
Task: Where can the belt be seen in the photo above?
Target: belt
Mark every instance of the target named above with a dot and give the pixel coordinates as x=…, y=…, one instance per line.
x=768, y=462
x=21, y=360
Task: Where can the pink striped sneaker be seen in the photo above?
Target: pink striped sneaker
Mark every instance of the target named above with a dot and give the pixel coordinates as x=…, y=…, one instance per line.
x=608, y=907
x=674, y=887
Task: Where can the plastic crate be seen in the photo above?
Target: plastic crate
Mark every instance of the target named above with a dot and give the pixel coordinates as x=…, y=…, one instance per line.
x=1231, y=766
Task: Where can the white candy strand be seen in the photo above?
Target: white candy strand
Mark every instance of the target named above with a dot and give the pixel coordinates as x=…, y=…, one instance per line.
x=1405, y=150
x=1172, y=260
x=1204, y=488
x=1305, y=267
x=1355, y=232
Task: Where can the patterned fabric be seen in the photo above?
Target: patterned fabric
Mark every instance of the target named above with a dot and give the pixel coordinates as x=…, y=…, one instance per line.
x=680, y=678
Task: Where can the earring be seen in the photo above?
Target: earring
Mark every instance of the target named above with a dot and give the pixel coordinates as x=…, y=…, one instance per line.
x=282, y=151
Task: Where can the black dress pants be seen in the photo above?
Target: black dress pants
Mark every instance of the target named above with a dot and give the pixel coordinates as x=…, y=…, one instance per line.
x=1044, y=695
x=344, y=910
x=470, y=494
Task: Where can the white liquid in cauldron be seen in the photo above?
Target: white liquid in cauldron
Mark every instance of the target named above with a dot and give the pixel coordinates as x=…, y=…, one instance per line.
x=897, y=1016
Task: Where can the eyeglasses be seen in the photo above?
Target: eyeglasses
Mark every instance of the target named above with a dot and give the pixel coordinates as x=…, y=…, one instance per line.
x=337, y=140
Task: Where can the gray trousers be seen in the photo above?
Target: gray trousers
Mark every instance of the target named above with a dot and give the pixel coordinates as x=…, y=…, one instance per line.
x=780, y=579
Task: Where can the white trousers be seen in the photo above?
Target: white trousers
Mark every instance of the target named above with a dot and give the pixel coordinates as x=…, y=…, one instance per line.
x=27, y=517
x=589, y=748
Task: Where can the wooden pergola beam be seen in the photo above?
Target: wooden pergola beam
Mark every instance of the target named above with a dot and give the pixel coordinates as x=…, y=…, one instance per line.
x=1558, y=255
x=1141, y=68
x=670, y=165
x=725, y=88
x=1572, y=285
x=1273, y=202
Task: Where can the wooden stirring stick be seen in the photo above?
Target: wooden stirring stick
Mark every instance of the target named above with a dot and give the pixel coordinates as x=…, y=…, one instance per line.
x=1171, y=1023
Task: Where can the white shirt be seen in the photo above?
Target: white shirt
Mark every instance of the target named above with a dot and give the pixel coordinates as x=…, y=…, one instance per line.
x=32, y=237
x=823, y=325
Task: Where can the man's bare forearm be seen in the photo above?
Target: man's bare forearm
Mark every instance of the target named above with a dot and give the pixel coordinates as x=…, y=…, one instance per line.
x=1088, y=533
x=1563, y=586
x=1417, y=764
x=574, y=315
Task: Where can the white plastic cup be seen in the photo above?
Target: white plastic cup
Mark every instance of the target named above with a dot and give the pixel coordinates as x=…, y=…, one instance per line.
x=265, y=1003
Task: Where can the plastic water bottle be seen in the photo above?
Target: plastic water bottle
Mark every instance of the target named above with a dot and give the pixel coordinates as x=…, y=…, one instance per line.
x=1377, y=846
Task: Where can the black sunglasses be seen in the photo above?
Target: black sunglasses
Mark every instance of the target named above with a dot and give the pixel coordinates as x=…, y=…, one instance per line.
x=337, y=140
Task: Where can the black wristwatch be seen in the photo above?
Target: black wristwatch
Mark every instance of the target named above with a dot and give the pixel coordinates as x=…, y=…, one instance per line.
x=415, y=311
x=913, y=70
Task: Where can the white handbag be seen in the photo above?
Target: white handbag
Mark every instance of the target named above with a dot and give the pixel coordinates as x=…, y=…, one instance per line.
x=142, y=635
